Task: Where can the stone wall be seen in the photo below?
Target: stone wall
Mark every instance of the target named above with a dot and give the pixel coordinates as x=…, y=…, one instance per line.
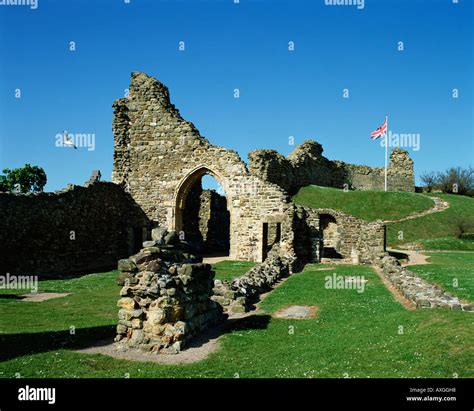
x=159, y=157
x=354, y=239
x=306, y=165
x=237, y=295
x=417, y=290
x=159, y=160
x=77, y=230
x=400, y=174
x=165, y=297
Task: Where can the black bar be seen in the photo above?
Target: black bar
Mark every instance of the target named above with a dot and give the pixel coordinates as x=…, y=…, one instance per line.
x=318, y=394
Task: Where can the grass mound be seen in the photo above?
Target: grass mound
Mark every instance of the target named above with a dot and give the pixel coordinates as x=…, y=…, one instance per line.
x=435, y=231
x=367, y=205
x=441, y=226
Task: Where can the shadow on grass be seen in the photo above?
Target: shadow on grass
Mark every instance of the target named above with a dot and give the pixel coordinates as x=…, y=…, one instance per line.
x=17, y=345
x=11, y=297
x=398, y=255
x=251, y=322
x=228, y=326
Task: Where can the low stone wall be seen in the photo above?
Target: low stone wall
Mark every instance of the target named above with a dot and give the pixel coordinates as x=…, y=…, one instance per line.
x=165, y=299
x=235, y=296
x=417, y=290
x=76, y=230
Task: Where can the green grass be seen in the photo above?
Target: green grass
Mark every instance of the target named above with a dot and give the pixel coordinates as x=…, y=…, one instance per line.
x=436, y=225
x=91, y=304
x=228, y=270
x=452, y=271
x=355, y=335
x=367, y=205
x=449, y=243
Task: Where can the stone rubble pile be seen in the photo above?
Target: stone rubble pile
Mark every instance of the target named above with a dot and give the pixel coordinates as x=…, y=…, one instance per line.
x=165, y=296
x=417, y=290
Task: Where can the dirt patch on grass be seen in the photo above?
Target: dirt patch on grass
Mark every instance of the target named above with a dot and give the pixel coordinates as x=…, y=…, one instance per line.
x=413, y=257
x=39, y=297
x=297, y=312
x=198, y=349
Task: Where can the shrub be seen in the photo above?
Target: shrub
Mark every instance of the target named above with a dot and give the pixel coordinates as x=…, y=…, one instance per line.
x=456, y=180
x=464, y=227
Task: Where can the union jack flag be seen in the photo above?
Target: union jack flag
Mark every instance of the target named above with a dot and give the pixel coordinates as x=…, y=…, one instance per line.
x=380, y=132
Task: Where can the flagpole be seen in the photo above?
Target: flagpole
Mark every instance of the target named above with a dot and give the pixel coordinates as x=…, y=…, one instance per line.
x=386, y=151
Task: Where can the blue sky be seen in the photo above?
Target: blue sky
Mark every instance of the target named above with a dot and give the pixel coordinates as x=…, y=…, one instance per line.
x=282, y=93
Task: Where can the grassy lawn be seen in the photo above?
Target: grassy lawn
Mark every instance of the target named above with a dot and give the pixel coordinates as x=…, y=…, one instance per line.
x=228, y=270
x=355, y=334
x=449, y=243
x=435, y=226
x=452, y=271
x=91, y=303
x=367, y=205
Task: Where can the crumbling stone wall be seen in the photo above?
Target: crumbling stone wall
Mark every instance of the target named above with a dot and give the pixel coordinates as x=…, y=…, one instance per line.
x=76, y=230
x=165, y=297
x=159, y=157
x=400, y=175
x=306, y=165
x=236, y=296
x=357, y=240
x=421, y=293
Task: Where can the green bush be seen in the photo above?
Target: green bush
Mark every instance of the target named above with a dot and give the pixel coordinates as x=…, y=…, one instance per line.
x=23, y=180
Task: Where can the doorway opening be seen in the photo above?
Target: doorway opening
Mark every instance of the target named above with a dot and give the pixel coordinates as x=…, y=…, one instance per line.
x=203, y=215
x=330, y=237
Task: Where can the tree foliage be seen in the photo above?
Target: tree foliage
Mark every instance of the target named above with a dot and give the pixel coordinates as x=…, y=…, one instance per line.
x=23, y=180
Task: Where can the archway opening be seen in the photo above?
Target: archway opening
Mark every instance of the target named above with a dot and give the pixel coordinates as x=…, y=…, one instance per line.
x=329, y=236
x=204, y=216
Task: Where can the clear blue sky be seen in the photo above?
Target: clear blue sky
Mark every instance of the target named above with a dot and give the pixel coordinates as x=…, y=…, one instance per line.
x=243, y=46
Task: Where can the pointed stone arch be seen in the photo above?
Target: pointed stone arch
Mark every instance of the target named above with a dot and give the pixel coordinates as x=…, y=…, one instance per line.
x=185, y=185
